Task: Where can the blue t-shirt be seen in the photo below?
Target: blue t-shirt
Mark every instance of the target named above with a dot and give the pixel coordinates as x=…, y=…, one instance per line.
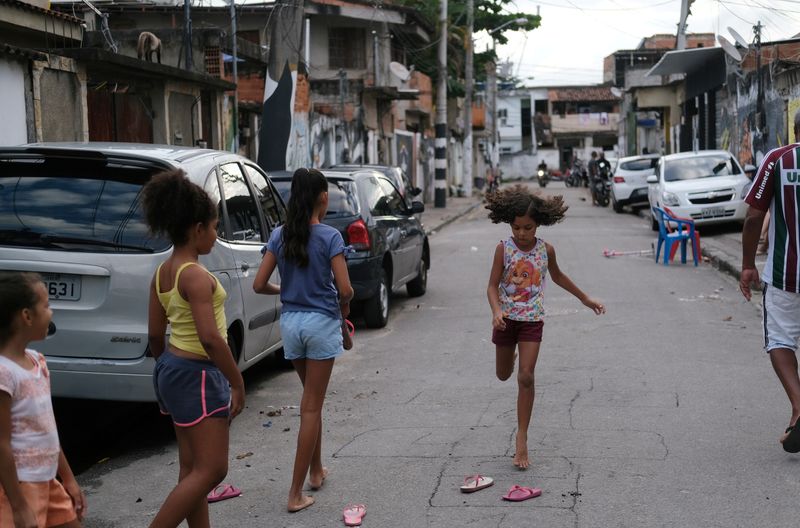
x=310, y=289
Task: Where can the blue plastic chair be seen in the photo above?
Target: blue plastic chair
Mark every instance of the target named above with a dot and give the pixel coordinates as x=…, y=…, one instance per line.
x=684, y=232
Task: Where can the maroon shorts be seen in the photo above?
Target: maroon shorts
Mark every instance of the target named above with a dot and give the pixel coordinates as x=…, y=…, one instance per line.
x=517, y=331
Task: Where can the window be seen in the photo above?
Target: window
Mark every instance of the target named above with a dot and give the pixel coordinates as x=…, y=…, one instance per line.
x=700, y=167
x=212, y=189
x=347, y=48
x=374, y=197
x=266, y=196
x=393, y=199
x=502, y=116
x=88, y=208
x=245, y=224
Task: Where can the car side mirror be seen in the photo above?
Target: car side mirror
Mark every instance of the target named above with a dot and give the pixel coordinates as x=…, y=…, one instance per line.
x=415, y=191
x=749, y=168
x=652, y=179
x=417, y=207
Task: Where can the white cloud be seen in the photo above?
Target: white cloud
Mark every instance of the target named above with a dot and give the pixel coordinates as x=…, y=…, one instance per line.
x=576, y=35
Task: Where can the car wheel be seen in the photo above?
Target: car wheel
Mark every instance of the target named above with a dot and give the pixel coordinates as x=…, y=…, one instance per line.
x=616, y=205
x=376, y=308
x=417, y=286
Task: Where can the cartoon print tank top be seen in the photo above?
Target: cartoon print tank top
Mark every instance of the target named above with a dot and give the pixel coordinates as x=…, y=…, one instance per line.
x=522, y=285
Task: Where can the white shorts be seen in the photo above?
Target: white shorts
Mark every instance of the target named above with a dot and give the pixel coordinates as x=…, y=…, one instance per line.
x=781, y=318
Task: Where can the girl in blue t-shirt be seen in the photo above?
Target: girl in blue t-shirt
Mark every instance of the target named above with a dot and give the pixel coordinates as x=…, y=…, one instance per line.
x=315, y=292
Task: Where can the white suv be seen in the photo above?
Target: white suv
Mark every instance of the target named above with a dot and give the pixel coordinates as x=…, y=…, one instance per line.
x=72, y=213
x=707, y=186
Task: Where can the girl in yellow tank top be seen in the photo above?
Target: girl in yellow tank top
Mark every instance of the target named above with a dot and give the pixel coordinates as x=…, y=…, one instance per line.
x=196, y=379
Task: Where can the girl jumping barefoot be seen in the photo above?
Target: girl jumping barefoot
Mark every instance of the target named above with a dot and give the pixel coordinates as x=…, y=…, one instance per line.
x=516, y=292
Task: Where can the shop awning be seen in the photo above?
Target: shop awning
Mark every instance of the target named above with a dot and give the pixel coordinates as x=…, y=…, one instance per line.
x=686, y=61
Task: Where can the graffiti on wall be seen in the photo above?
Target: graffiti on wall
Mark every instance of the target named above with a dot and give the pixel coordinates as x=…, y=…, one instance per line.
x=739, y=130
x=320, y=141
x=793, y=109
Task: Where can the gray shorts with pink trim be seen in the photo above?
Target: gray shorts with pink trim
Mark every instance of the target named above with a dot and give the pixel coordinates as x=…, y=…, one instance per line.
x=190, y=390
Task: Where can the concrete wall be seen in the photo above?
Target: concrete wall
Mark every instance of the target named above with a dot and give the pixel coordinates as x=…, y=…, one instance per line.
x=12, y=106
x=61, y=109
x=181, y=114
x=522, y=166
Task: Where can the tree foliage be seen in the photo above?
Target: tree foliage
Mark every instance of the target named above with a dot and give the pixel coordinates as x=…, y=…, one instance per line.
x=488, y=15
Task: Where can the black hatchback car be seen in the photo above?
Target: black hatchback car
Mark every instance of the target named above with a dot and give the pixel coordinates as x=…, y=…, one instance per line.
x=389, y=247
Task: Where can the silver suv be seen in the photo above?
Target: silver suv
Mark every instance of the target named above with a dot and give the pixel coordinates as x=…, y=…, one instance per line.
x=72, y=213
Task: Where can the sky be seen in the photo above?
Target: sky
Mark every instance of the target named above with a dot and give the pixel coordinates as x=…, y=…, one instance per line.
x=575, y=35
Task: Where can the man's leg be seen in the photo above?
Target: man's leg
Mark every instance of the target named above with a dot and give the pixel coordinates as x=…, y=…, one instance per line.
x=784, y=361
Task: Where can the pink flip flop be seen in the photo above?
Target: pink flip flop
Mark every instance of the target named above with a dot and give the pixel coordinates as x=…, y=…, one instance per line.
x=353, y=514
x=521, y=493
x=476, y=483
x=222, y=492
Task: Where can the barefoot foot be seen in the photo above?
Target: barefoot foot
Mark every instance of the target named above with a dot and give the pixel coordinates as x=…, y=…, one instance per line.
x=296, y=505
x=315, y=481
x=521, y=453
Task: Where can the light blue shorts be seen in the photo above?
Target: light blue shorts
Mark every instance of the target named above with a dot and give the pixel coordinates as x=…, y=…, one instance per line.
x=310, y=335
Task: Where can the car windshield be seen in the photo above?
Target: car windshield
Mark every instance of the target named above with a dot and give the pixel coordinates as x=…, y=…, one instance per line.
x=700, y=167
x=66, y=209
x=639, y=164
x=342, y=201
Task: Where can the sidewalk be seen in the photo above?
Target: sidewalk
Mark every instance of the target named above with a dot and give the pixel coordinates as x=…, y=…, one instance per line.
x=435, y=218
x=723, y=250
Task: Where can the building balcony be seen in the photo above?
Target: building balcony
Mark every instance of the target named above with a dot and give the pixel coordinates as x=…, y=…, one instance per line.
x=584, y=123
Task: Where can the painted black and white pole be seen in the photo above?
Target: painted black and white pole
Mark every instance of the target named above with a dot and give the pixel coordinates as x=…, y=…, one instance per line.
x=440, y=163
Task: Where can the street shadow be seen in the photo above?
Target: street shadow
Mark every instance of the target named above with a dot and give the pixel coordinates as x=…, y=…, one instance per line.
x=93, y=431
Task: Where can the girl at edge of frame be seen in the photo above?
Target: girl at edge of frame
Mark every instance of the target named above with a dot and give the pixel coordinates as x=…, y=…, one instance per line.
x=315, y=293
x=516, y=292
x=30, y=454
x=196, y=379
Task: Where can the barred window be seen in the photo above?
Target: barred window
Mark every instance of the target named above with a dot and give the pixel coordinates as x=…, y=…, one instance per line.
x=347, y=48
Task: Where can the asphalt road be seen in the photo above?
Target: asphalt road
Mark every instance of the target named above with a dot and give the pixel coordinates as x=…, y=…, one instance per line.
x=663, y=412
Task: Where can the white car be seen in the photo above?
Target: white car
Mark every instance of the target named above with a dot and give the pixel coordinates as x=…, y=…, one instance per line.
x=72, y=212
x=629, y=184
x=707, y=186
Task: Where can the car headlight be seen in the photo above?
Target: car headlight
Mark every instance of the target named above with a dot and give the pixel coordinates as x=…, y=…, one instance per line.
x=670, y=199
x=746, y=189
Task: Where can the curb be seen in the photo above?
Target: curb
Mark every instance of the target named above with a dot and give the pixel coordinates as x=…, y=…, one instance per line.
x=453, y=218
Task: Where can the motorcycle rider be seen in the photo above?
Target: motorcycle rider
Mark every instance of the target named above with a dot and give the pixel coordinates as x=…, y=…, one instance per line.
x=541, y=174
x=602, y=171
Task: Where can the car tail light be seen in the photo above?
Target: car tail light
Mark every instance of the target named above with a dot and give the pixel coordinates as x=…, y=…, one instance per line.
x=619, y=179
x=358, y=235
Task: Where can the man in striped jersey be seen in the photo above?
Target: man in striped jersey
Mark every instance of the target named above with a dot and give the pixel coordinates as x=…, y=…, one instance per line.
x=776, y=188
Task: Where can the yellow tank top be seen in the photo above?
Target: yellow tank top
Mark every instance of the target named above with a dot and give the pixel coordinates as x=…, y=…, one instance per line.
x=184, y=332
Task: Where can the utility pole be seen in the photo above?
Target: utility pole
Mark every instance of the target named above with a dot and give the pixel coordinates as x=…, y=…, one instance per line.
x=468, y=80
x=187, y=34
x=491, y=86
x=760, y=117
x=440, y=164
x=234, y=53
x=285, y=43
x=681, y=37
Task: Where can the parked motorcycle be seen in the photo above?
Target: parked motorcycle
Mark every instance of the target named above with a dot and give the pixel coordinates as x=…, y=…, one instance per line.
x=601, y=185
x=543, y=176
x=576, y=175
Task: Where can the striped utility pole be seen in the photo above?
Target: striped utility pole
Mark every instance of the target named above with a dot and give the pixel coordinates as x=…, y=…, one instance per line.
x=440, y=164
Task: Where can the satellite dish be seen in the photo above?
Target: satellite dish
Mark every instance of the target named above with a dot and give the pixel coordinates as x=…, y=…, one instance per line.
x=399, y=71
x=729, y=48
x=616, y=92
x=740, y=40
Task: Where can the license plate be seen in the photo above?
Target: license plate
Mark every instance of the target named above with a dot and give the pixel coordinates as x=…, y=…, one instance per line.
x=61, y=287
x=713, y=211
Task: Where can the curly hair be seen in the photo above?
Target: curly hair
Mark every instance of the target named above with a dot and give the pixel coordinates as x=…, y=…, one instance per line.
x=172, y=205
x=17, y=292
x=507, y=204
